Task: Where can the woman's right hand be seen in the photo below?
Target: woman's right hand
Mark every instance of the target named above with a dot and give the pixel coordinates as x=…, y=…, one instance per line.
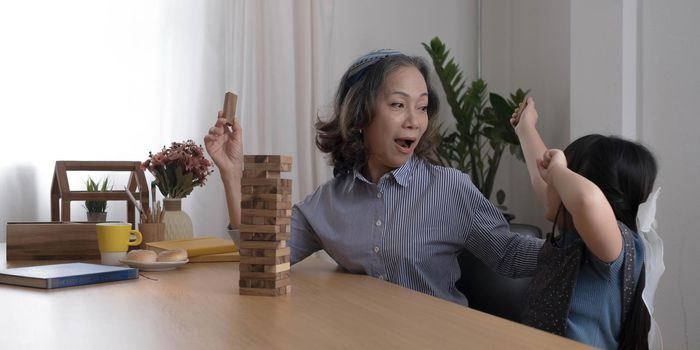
x=524, y=116
x=225, y=147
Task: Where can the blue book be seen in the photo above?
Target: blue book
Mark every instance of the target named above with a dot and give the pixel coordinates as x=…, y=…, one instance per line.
x=66, y=275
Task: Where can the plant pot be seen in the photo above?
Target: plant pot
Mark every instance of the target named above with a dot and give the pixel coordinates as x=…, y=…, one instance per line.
x=178, y=224
x=151, y=232
x=96, y=217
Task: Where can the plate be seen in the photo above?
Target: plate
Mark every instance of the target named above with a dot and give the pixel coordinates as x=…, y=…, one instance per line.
x=155, y=266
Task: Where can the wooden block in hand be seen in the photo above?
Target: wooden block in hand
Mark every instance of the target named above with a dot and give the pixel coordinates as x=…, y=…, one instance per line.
x=230, y=100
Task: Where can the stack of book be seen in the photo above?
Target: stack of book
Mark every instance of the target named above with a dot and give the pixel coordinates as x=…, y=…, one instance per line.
x=202, y=249
x=266, y=205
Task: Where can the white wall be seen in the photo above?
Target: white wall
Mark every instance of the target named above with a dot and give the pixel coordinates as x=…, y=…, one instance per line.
x=526, y=45
x=670, y=52
x=364, y=25
x=629, y=68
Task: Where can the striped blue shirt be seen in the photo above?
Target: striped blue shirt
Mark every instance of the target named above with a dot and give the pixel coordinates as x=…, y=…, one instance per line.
x=409, y=228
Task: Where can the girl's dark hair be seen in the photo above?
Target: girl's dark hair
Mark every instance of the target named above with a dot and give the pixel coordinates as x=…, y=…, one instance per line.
x=625, y=172
x=353, y=110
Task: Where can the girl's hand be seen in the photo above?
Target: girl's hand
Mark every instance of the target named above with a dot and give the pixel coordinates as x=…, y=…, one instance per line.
x=524, y=116
x=225, y=147
x=552, y=159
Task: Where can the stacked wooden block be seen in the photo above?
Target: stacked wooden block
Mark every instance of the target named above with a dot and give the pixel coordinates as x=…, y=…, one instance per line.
x=266, y=211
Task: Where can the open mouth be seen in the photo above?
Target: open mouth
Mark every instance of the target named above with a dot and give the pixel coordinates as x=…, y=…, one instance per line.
x=404, y=144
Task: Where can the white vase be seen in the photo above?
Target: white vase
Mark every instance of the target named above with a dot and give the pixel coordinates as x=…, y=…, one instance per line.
x=178, y=224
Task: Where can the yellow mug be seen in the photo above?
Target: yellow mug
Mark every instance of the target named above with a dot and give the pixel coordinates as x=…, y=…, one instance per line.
x=114, y=240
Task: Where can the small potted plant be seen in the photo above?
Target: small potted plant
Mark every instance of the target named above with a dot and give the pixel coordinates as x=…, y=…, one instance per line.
x=96, y=208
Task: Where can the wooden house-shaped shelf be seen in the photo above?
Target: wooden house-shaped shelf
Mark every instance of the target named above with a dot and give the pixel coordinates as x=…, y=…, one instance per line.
x=62, y=196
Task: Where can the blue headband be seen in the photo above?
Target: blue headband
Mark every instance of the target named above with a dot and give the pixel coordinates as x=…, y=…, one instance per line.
x=369, y=59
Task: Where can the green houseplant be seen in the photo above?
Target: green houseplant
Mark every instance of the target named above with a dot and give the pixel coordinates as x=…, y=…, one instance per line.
x=482, y=131
x=96, y=209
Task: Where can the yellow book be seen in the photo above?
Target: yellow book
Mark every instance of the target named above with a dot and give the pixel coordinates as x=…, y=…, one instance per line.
x=196, y=246
x=224, y=257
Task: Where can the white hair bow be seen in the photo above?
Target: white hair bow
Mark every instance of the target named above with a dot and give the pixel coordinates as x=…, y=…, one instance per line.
x=653, y=261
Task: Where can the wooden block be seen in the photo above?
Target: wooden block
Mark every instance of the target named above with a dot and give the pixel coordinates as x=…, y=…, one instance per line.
x=267, y=158
x=262, y=244
x=265, y=228
x=279, y=183
x=267, y=197
x=265, y=260
x=230, y=100
x=266, y=252
x=277, y=268
x=263, y=174
x=281, y=167
x=267, y=284
x=243, y=267
x=266, y=213
x=266, y=205
x=261, y=220
x=264, y=275
x=265, y=189
x=263, y=236
x=266, y=292
x=51, y=241
x=216, y=258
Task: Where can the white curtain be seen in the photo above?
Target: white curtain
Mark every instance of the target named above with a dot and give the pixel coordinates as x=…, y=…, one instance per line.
x=113, y=80
x=278, y=58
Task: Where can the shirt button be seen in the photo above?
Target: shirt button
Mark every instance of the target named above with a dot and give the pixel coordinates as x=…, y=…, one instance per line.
x=379, y=195
x=378, y=223
x=376, y=249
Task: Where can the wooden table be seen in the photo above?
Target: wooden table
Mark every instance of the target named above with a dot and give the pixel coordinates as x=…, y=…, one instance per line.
x=198, y=307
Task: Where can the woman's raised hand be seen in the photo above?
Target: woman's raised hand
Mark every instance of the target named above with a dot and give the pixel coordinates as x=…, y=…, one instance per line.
x=224, y=143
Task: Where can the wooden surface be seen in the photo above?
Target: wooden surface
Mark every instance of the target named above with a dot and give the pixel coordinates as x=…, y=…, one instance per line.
x=198, y=307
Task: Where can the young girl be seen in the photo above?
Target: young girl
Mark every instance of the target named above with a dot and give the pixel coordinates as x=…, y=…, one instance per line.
x=590, y=276
x=388, y=212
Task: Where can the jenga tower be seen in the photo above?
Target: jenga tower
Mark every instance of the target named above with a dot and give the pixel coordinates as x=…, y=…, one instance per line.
x=266, y=211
